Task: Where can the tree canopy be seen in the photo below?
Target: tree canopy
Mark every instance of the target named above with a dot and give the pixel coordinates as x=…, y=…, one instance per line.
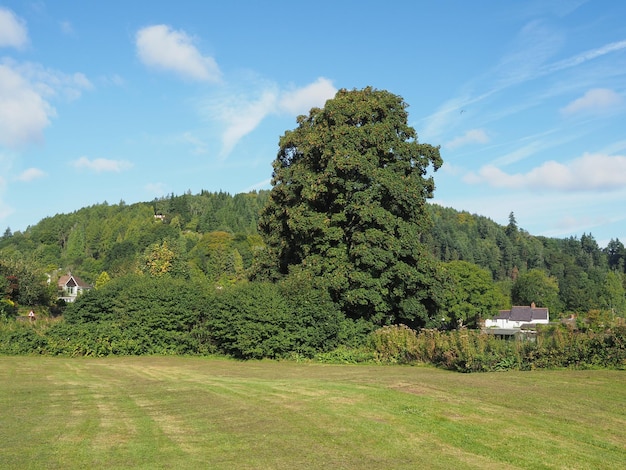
x=471, y=295
x=350, y=185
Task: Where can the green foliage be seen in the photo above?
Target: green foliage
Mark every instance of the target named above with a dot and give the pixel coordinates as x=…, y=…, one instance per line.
x=7, y=309
x=471, y=295
x=395, y=344
x=218, y=256
x=614, y=294
x=158, y=259
x=348, y=205
x=23, y=283
x=473, y=351
x=257, y=319
x=164, y=315
x=538, y=287
x=113, y=238
x=251, y=321
x=141, y=315
x=103, y=279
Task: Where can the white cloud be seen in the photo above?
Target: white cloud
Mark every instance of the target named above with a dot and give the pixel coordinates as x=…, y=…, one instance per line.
x=24, y=114
x=473, y=136
x=594, y=101
x=450, y=169
x=301, y=100
x=163, y=48
x=31, y=174
x=5, y=209
x=591, y=172
x=12, y=30
x=241, y=115
x=100, y=165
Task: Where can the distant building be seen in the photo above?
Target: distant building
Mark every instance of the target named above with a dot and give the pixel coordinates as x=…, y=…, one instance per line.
x=71, y=286
x=519, y=316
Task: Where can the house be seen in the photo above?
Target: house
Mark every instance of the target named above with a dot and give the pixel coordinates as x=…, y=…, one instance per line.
x=518, y=316
x=71, y=286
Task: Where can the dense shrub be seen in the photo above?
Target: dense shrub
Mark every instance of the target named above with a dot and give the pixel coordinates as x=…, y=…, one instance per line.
x=138, y=315
x=395, y=344
x=258, y=319
x=473, y=351
x=20, y=338
x=8, y=309
x=162, y=315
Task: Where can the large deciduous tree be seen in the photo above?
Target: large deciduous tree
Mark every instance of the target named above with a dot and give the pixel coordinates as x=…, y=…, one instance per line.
x=471, y=295
x=350, y=185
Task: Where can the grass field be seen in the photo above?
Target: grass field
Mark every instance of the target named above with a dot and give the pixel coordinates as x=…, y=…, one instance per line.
x=172, y=412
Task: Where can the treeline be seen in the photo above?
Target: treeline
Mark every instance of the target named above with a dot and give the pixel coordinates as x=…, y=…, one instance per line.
x=585, y=276
x=213, y=236
x=210, y=233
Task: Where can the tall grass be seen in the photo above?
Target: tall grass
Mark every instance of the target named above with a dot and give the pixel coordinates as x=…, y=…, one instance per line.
x=473, y=351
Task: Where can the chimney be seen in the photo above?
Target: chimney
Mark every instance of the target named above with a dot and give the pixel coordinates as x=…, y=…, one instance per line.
x=532, y=305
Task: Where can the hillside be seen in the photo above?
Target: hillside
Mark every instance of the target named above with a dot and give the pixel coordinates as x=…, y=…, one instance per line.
x=214, y=235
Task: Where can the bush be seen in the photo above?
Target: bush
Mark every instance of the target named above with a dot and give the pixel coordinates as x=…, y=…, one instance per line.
x=554, y=346
x=8, y=309
x=395, y=344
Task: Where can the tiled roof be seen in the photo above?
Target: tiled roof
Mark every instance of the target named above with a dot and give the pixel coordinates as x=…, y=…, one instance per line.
x=71, y=280
x=523, y=314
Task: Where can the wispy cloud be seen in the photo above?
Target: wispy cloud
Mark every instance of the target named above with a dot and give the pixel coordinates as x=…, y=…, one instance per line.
x=594, y=101
x=5, y=209
x=163, y=48
x=591, y=172
x=66, y=28
x=30, y=174
x=527, y=60
x=242, y=113
x=535, y=44
x=199, y=147
x=13, y=32
x=244, y=118
x=584, y=57
x=156, y=189
x=260, y=185
x=473, y=136
x=51, y=83
x=100, y=165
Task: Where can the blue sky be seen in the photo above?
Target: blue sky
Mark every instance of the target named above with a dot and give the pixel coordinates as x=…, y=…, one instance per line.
x=110, y=101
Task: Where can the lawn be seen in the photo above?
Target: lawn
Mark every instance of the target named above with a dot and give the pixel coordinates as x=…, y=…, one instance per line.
x=173, y=412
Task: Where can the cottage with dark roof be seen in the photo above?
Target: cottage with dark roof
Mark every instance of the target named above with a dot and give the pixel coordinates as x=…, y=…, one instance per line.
x=518, y=316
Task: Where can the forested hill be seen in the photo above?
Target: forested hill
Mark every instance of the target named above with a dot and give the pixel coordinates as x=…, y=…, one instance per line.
x=214, y=234
x=199, y=231
x=584, y=271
